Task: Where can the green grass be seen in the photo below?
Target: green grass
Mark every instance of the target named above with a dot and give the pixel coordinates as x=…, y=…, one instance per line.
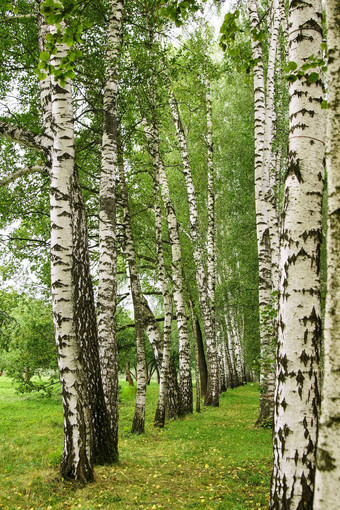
x=212, y=460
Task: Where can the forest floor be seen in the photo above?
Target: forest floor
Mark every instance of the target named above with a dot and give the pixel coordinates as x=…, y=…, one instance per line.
x=214, y=459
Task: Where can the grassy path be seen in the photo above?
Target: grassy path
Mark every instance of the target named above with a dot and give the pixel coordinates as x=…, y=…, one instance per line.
x=212, y=460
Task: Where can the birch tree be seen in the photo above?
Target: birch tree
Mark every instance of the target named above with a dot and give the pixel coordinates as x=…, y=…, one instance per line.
x=297, y=397
x=167, y=303
x=185, y=384
x=107, y=226
x=83, y=314
x=211, y=241
x=77, y=459
x=328, y=450
x=266, y=224
x=129, y=249
x=212, y=394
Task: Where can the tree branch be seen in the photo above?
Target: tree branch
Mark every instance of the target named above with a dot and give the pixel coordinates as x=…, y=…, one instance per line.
x=19, y=17
x=31, y=140
x=20, y=173
x=132, y=325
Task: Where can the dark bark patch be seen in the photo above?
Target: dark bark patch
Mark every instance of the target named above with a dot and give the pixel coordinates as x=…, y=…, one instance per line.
x=324, y=461
x=294, y=169
x=304, y=357
x=306, y=501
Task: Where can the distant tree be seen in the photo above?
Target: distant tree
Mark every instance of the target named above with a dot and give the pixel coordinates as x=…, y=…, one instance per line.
x=27, y=348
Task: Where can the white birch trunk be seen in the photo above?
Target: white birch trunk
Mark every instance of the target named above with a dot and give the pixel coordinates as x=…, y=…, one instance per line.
x=164, y=372
x=45, y=84
x=238, y=351
x=269, y=167
x=77, y=462
x=107, y=226
x=327, y=478
x=211, y=277
x=232, y=351
x=213, y=389
x=185, y=383
x=85, y=316
x=226, y=361
x=263, y=137
x=297, y=396
x=138, y=423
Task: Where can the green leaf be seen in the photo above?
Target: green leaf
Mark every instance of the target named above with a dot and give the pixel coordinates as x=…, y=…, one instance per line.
x=291, y=78
x=42, y=76
x=324, y=104
x=313, y=77
x=68, y=39
x=44, y=56
x=292, y=66
x=70, y=74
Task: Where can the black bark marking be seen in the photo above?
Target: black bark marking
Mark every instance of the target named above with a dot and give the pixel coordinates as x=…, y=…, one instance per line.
x=294, y=168
x=324, y=461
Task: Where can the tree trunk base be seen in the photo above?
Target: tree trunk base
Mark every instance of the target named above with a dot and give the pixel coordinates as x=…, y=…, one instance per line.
x=83, y=472
x=159, y=420
x=106, y=455
x=210, y=401
x=138, y=423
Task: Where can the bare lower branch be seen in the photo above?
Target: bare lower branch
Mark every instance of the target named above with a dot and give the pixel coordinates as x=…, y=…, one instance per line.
x=19, y=173
x=31, y=140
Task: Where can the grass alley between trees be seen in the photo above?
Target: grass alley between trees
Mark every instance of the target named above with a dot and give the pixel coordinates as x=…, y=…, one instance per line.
x=215, y=459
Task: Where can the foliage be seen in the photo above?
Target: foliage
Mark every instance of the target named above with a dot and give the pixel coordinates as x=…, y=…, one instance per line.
x=27, y=346
x=178, y=10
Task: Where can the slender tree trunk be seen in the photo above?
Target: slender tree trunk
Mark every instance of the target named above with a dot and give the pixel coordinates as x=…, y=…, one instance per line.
x=128, y=374
x=77, y=461
x=185, y=384
x=197, y=367
x=107, y=264
x=238, y=351
x=223, y=377
x=129, y=249
x=263, y=137
x=269, y=160
x=103, y=442
x=201, y=359
x=211, y=251
x=297, y=397
x=228, y=366
x=235, y=347
x=328, y=451
x=234, y=352
x=104, y=438
x=213, y=390
x=164, y=375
